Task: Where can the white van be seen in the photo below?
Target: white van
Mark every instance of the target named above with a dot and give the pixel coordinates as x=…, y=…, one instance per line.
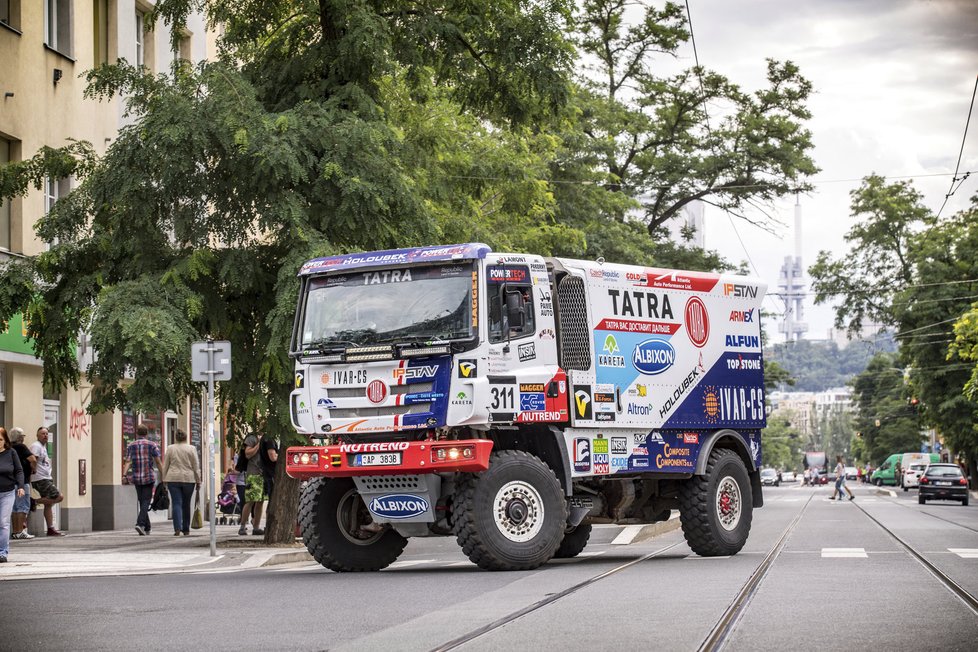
x=914, y=465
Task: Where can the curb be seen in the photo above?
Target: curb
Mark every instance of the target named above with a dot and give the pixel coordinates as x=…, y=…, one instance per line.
x=290, y=557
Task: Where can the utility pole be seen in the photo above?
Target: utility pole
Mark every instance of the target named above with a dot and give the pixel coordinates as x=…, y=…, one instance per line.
x=209, y=359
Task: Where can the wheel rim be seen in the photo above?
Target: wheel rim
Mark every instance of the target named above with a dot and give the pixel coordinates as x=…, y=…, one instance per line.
x=728, y=505
x=518, y=511
x=354, y=520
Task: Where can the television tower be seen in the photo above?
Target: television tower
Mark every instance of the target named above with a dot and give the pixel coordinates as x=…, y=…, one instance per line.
x=792, y=286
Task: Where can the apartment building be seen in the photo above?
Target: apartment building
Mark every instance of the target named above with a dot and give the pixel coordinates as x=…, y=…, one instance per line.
x=46, y=46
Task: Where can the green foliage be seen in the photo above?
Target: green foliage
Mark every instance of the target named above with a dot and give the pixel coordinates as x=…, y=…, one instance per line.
x=880, y=259
x=781, y=444
x=817, y=366
x=883, y=416
x=668, y=140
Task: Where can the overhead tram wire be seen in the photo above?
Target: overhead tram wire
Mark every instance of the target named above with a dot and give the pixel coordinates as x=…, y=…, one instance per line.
x=957, y=166
x=709, y=131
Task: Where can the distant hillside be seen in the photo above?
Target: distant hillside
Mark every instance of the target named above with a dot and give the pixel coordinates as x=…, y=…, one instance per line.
x=820, y=365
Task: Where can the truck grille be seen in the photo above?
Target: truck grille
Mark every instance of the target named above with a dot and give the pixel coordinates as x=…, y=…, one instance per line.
x=382, y=411
x=575, y=336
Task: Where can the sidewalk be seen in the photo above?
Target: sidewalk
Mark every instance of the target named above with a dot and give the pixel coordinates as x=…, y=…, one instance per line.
x=125, y=552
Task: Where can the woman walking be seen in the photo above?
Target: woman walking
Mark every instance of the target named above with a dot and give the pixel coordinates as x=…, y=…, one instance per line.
x=11, y=487
x=181, y=474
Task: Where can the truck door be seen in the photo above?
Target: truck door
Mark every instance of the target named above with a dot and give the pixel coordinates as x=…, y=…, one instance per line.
x=525, y=382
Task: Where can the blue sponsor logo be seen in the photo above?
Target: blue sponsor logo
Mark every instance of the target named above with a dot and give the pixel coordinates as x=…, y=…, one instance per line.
x=326, y=403
x=582, y=454
x=600, y=458
x=398, y=506
x=652, y=357
x=533, y=402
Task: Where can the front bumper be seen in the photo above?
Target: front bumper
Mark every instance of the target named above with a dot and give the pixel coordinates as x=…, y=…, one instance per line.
x=416, y=457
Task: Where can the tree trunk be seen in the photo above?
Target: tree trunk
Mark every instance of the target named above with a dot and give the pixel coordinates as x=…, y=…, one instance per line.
x=283, y=506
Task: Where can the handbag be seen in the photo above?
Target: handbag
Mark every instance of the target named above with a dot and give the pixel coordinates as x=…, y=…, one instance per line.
x=197, y=521
x=161, y=499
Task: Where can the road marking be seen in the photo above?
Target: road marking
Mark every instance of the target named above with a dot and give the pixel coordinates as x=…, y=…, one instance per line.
x=965, y=553
x=792, y=500
x=627, y=535
x=407, y=563
x=844, y=552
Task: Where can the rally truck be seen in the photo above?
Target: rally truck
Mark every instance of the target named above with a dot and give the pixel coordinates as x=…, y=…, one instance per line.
x=512, y=401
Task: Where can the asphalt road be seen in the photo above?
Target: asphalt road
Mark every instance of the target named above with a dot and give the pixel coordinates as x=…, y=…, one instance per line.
x=837, y=581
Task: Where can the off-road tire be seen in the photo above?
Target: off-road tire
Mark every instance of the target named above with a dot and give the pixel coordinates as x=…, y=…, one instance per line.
x=698, y=506
x=574, y=542
x=485, y=505
x=319, y=523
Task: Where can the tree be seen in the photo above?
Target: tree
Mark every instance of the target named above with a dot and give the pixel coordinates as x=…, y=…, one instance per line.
x=880, y=259
x=781, y=445
x=234, y=172
x=665, y=140
x=882, y=415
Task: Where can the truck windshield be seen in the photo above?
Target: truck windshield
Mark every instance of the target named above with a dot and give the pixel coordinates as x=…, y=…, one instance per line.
x=395, y=306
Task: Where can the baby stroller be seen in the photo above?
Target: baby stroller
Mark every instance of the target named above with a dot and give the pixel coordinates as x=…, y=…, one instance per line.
x=228, y=506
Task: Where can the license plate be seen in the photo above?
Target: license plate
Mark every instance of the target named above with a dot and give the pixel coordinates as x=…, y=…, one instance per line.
x=943, y=484
x=377, y=459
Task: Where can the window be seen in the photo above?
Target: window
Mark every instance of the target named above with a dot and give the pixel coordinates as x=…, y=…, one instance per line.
x=57, y=25
x=140, y=39
x=55, y=189
x=510, y=306
x=5, y=204
x=100, y=27
x=10, y=13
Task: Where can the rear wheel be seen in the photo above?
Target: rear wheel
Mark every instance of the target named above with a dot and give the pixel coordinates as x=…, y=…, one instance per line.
x=512, y=516
x=964, y=501
x=716, y=509
x=879, y=482
x=574, y=542
x=921, y=500
x=338, y=530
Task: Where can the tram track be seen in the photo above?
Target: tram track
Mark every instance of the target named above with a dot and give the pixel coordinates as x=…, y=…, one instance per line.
x=945, y=580
x=505, y=620
x=727, y=623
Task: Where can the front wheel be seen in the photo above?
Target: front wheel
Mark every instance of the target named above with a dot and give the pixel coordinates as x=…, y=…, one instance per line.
x=879, y=482
x=716, y=509
x=574, y=541
x=512, y=516
x=338, y=530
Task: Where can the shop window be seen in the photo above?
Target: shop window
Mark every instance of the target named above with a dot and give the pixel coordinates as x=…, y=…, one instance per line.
x=57, y=25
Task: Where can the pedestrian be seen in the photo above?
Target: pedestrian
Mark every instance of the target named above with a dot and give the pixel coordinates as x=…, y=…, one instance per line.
x=840, y=480
x=11, y=487
x=269, y=453
x=22, y=504
x=255, y=494
x=141, y=456
x=43, y=483
x=181, y=475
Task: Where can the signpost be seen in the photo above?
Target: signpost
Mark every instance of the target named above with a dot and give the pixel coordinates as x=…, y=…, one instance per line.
x=211, y=361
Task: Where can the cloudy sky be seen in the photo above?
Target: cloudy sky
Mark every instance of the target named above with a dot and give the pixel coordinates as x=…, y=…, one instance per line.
x=893, y=82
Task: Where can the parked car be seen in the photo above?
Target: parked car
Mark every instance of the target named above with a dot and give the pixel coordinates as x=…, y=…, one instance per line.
x=911, y=476
x=943, y=482
x=769, y=477
x=788, y=476
x=852, y=473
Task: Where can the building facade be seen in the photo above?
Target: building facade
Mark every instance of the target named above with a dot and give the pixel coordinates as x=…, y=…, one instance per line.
x=46, y=46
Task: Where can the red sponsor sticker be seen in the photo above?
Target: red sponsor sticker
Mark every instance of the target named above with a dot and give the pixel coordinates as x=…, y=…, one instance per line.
x=691, y=438
x=632, y=326
x=376, y=391
x=697, y=322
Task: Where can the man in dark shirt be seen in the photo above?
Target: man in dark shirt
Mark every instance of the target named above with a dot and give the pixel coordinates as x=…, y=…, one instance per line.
x=22, y=505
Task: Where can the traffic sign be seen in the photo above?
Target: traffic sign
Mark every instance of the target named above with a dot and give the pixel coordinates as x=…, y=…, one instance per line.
x=210, y=360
